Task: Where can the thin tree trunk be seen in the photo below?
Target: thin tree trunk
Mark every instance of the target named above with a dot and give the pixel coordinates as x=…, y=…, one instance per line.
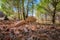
x=23, y=9
x=32, y=7
x=54, y=12
x=27, y=9
x=53, y=20
x=18, y=11
x=18, y=14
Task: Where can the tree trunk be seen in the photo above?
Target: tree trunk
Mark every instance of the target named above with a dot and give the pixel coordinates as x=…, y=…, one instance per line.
x=6, y=17
x=32, y=7
x=53, y=20
x=18, y=14
x=23, y=9
x=18, y=10
x=27, y=9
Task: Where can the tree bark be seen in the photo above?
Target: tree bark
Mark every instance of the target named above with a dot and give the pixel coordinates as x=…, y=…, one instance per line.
x=27, y=9
x=18, y=14
x=23, y=9
x=54, y=12
x=18, y=10
x=32, y=7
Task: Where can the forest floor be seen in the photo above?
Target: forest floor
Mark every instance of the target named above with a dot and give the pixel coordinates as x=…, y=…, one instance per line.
x=21, y=30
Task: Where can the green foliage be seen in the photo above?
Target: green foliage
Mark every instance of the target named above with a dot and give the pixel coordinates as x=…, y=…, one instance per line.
x=6, y=7
x=47, y=6
x=23, y=7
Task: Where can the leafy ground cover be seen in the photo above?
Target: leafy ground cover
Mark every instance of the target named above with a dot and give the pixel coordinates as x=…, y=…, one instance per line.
x=28, y=31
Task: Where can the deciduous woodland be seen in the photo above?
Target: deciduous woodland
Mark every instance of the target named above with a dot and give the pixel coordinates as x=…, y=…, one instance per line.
x=29, y=19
